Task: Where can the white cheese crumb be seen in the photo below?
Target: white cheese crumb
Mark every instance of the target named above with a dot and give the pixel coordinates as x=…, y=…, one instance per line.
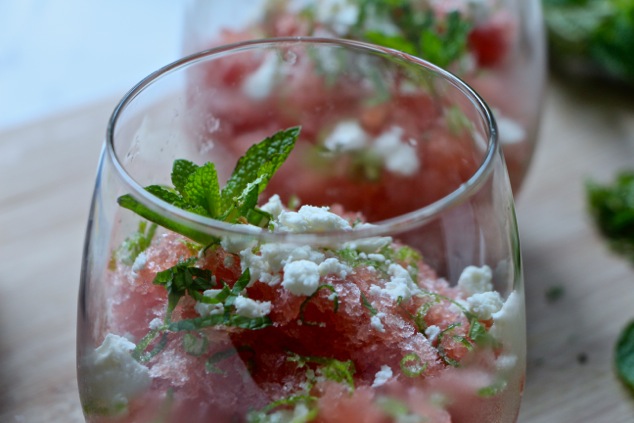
x=368, y=245
x=376, y=323
x=506, y=362
x=475, y=280
x=346, y=136
x=332, y=266
x=432, y=332
x=278, y=255
x=400, y=284
x=113, y=375
x=311, y=219
x=510, y=131
x=238, y=242
x=156, y=323
x=273, y=206
x=484, y=304
x=205, y=309
x=259, y=84
x=382, y=376
x=251, y=308
x=399, y=157
x=139, y=262
x=301, y=277
x=377, y=257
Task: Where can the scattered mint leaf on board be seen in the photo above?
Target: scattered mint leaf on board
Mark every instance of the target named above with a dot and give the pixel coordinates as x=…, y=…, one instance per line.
x=554, y=293
x=612, y=207
x=595, y=35
x=624, y=356
x=197, y=190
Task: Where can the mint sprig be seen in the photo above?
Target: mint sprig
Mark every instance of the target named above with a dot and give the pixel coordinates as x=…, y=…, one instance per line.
x=196, y=189
x=624, y=356
x=442, y=41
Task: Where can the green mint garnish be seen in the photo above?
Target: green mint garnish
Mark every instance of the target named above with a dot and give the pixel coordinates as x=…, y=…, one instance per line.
x=412, y=365
x=330, y=368
x=492, y=390
x=624, y=356
x=441, y=41
x=134, y=245
x=268, y=414
x=612, y=207
x=197, y=190
x=302, y=307
x=195, y=344
x=183, y=278
x=366, y=303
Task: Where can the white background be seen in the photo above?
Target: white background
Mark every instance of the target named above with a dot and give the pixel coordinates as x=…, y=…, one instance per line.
x=59, y=55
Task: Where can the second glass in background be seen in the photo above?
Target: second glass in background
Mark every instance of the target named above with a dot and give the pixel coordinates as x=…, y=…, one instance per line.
x=496, y=46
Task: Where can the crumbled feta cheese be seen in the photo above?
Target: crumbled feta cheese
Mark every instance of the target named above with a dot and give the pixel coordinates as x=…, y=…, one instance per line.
x=274, y=206
x=301, y=277
x=156, y=323
x=259, y=84
x=432, y=332
x=346, y=136
x=258, y=267
x=475, y=280
x=237, y=242
x=251, y=308
x=399, y=157
x=382, y=376
x=332, y=266
x=205, y=309
x=484, y=304
x=376, y=323
x=113, y=375
x=510, y=131
x=278, y=255
x=509, y=325
x=400, y=284
x=139, y=262
x=376, y=257
x=506, y=362
x=369, y=245
x=311, y=219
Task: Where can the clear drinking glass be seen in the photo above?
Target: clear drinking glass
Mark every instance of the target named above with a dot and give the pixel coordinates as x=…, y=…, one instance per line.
x=496, y=46
x=376, y=276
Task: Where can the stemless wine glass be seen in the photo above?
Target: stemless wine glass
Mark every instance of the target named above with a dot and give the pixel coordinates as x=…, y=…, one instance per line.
x=497, y=46
x=300, y=230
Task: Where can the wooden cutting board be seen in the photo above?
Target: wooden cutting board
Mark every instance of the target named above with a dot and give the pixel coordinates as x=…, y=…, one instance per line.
x=47, y=172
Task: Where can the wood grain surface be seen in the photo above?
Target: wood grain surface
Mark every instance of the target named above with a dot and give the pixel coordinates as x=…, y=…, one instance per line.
x=47, y=172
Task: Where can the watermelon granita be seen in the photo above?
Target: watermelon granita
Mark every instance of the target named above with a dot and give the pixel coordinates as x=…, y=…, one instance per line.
x=497, y=46
x=258, y=324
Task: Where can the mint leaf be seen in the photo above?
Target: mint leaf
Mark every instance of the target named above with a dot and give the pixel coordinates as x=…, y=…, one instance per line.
x=260, y=161
x=181, y=171
x=265, y=415
x=197, y=190
x=135, y=244
x=612, y=207
x=412, y=365
x=201, y=191
x=131, y=203
x=624, y=356
x=330, y=368
x=181, y=279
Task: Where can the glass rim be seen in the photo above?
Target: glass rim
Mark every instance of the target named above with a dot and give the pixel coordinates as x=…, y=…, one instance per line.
x=384, y=227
